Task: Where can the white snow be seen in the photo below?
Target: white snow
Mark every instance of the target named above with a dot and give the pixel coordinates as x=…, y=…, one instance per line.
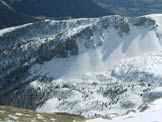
x=6, y=30
x=153, y=114
x=132, y=82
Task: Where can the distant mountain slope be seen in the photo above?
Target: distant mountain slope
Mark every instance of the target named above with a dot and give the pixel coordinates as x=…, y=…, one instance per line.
x=9, y=17
x=132, y=7
x=59, y=8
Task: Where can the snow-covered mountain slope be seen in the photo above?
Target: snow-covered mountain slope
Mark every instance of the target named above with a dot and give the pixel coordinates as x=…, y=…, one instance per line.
x=68, y=66
x=130, y=86
x=153, y=114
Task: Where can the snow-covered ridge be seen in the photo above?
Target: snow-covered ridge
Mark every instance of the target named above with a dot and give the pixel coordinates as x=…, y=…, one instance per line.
x=46, y=61
x=105, y=40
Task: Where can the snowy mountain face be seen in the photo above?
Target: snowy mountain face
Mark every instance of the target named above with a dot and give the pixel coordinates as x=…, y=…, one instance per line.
x=90, y=67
